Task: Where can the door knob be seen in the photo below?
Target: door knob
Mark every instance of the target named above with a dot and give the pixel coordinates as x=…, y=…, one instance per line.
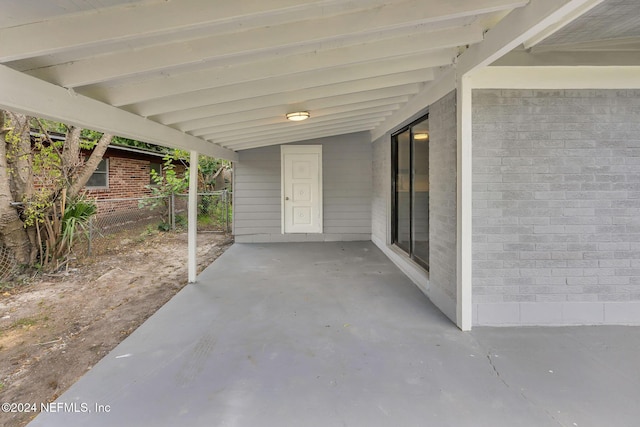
x=286, y=198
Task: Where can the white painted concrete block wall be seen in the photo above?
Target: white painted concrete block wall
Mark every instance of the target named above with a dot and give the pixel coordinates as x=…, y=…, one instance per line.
x=381, y=189
x=346, y=186
x=556, y=204
x=442, y=201
x=440, y=283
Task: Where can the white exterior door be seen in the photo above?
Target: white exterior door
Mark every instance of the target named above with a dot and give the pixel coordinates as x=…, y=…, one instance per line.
x=301, y=188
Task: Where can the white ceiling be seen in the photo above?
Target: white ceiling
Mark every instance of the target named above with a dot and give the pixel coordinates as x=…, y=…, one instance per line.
x=611, y=21
x=227, y=72
x=603, y=33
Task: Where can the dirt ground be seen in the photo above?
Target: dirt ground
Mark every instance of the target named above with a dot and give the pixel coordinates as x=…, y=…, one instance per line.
x=56, y=328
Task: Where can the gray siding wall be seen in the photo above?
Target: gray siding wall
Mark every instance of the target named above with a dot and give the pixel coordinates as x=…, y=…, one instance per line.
x=346, y=181
x=556, y=204
x=442, y=200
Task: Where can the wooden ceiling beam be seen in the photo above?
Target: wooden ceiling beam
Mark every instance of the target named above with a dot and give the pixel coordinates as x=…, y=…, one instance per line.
x=302, y=136
x=296, y=128
x=250, y=66
x=267, y=116
x=129, y=22
x=282, y=124
x=313, y=98
x=175, y=84
x=338, y=83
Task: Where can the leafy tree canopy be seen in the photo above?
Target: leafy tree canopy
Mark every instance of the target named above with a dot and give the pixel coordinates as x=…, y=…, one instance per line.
x=91, y=136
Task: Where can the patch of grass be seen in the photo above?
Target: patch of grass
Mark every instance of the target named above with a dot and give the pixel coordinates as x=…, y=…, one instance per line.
x=25, y=322
x=1, y=386
x=149, y=230
x=204, y=220
x=181, y=221
x=8, y=286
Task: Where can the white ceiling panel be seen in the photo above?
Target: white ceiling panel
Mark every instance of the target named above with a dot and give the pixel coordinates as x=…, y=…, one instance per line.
x=224, y=73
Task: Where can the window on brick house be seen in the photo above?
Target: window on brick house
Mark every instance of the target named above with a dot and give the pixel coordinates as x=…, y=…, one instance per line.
x=100, y=178
x=154, y=167
x=410, y=186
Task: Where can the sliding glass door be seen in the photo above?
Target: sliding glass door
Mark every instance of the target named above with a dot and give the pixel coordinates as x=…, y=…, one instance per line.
x=410, y=186
x=402, y=193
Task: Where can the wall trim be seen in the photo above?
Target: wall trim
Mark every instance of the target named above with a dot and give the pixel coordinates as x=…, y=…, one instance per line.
x=411, y=269
x=419, y=277
x=464, y=204
x=566, y=77
x=301, y=237
x=557, y=313
x=444, y=303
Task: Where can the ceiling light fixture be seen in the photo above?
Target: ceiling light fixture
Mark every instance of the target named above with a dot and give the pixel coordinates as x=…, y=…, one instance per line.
x=423, y=136
x=298, y=116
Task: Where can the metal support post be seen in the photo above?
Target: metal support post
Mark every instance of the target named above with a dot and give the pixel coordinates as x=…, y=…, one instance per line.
x=172, y=201
x=90, y=235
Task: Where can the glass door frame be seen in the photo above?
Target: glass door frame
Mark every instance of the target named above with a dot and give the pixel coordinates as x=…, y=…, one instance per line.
x=394, y=189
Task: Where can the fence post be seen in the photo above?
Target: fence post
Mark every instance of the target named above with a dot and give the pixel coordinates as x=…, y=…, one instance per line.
x=173, y=211
x=90, y=235
x=226, y=209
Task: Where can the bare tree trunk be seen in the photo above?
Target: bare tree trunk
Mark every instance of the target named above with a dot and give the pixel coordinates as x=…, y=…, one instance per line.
x=13, y=234
x=20, y=157
x=17, y=185
x=90, y=166
x=71, y=154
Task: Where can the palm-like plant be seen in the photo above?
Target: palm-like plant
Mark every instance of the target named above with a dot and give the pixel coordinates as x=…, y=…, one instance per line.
x=75, y=219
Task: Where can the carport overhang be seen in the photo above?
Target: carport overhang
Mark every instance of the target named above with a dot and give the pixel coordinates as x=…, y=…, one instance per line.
x=142, y=70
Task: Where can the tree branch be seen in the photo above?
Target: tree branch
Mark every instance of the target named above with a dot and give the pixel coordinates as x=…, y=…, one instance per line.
x=70, y=156
x=90, y=166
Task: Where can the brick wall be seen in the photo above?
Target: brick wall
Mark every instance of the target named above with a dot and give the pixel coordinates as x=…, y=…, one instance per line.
x=556, y=205
x=127, y=178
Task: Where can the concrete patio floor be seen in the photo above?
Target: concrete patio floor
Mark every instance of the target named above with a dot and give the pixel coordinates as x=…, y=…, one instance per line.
x=333, y=334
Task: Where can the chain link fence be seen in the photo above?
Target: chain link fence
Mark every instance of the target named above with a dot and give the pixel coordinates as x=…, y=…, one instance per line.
x=214, y=211
x=8, y=263
x=119, y=220
x=127, y=220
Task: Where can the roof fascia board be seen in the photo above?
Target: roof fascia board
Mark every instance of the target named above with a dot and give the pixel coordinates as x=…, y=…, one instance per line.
x=522, y=58
x=26, y=94
x=587, y=77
